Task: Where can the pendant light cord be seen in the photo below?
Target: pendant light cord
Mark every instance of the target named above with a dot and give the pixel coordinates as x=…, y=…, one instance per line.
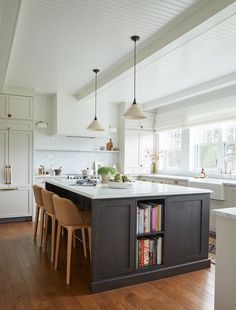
x=96, y=82
x=135, y=71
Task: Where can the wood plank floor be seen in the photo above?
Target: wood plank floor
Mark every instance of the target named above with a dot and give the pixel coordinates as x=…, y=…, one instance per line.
x=28, y=281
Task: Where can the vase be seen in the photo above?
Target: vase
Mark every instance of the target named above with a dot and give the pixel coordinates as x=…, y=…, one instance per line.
x=153, y=168
x=105, y=178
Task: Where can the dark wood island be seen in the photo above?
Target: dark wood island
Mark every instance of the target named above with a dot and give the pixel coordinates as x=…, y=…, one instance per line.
x=116, y=237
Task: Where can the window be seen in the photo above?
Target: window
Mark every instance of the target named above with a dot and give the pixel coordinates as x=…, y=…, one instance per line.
x=170, y=143
x=214, y=146
x=206, y=143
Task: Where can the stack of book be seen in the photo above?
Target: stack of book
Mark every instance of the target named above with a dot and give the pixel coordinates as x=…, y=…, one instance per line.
x=149, y=217
x=148, y=252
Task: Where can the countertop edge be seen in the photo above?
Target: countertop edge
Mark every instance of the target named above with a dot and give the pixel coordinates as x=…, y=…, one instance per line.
x=229, y=213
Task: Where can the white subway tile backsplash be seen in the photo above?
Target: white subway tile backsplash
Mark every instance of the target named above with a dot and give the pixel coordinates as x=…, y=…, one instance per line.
x=72, y=153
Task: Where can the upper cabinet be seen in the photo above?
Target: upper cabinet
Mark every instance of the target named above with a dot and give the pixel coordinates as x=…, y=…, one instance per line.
x=3, y=106
x=16, y=107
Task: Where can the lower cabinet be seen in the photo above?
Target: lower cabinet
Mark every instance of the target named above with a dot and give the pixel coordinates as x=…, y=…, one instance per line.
x=15, y=203
x=113, y=223
x=215, y=204
x=230, y=192
x=186, y=234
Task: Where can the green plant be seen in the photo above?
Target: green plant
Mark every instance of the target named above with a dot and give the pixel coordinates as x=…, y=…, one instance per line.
x=107, y=170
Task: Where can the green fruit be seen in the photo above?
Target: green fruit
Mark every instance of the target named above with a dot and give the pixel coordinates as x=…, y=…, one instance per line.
x=117, y=178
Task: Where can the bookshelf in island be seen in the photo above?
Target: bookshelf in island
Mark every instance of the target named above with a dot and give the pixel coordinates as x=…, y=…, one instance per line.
x=144, y=233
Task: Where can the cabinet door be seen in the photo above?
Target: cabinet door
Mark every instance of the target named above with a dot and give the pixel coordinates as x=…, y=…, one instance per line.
x=132, y=149
x=146, y=142
x=3, y=106
x=186, y=228
x=231, y=197
x=20, y=107
x=15, y=203
x=113, y=237
x=20, y=157
x=3, y=155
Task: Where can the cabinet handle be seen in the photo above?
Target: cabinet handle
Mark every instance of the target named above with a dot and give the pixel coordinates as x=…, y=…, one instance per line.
x=9, y=115
x=9, y=174
x=5, y=175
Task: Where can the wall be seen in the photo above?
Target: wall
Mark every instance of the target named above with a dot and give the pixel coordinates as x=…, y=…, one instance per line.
x=72, y=153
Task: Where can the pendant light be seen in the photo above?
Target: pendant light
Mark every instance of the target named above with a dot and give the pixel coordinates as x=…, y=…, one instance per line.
x=95, y=125
x=134, y=111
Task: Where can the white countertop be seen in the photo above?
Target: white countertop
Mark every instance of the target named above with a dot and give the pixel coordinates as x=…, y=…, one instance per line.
x=49, y=176
x=140, y=189
x=226, y=212
x=190, y=179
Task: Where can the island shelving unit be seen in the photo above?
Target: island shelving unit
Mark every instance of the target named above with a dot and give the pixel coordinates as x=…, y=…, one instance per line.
x=114, y=230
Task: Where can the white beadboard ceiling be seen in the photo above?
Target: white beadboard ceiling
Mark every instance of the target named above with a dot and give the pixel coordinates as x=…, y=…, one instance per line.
x=58, y=42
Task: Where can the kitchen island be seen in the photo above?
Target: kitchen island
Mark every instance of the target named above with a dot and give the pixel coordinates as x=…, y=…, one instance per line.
x=115, y=235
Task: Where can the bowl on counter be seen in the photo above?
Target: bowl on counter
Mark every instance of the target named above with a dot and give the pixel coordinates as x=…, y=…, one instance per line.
x=121, y=185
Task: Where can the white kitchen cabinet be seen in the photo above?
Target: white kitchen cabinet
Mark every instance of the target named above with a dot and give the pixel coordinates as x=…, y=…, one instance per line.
x=3, y=106
x=230, y=192
x=15, y=203
x=20, y=158
x=132, y=149
x=3, y=156
x=16, y=107
x=214, y=204
x=20, y=107
x=136, y=142
x=15, y=173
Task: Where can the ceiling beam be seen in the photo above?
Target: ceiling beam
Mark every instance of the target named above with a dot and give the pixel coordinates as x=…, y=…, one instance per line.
x=214, y=12
x=9, y=12
x=220, y=83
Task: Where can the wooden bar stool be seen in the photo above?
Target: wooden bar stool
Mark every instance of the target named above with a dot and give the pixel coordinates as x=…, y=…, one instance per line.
x=70, y=218
x=39, y=212
x=49, y=212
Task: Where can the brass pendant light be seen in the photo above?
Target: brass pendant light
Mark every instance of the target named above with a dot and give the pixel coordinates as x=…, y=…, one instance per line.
x=95, y=125
x=134, y=111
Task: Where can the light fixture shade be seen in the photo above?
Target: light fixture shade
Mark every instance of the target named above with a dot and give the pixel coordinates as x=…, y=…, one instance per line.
x=95, y=126
x=134, y=112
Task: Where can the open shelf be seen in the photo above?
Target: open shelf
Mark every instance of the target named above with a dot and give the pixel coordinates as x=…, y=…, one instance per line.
x=149, y=234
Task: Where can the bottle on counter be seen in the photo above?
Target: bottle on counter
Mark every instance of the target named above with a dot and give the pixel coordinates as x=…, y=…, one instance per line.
x=203, y=174
x=110, y=145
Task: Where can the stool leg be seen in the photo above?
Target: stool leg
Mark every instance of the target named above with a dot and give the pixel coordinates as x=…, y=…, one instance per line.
x=69, y=250
x=45, y=237
x=53, y=238
x=90, y=242
x=74, y=240
x=36, y=222
x=41, y=226
x=57, y=245
x=84, y=242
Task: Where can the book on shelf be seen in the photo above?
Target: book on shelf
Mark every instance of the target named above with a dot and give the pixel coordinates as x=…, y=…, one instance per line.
x=148, y=252
x=149, y=217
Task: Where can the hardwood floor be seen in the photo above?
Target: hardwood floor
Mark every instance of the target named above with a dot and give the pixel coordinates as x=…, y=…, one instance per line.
x=28, y=281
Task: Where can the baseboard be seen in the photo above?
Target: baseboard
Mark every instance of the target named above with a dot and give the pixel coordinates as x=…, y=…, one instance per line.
x=16, y=219
x=140, y=277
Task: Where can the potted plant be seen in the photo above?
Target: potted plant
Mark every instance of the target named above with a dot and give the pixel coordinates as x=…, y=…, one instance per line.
x=106, y=173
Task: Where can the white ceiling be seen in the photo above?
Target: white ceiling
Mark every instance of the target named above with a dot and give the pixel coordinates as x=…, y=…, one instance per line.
x=58, y=43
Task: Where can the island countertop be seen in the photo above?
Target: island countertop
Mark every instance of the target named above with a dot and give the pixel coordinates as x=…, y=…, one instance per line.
x=140, y=189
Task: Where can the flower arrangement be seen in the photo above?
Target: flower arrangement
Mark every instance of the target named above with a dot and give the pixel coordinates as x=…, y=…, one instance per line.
x=153, y=155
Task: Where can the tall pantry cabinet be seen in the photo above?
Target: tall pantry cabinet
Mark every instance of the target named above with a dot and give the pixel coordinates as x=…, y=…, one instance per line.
x=16, y=149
